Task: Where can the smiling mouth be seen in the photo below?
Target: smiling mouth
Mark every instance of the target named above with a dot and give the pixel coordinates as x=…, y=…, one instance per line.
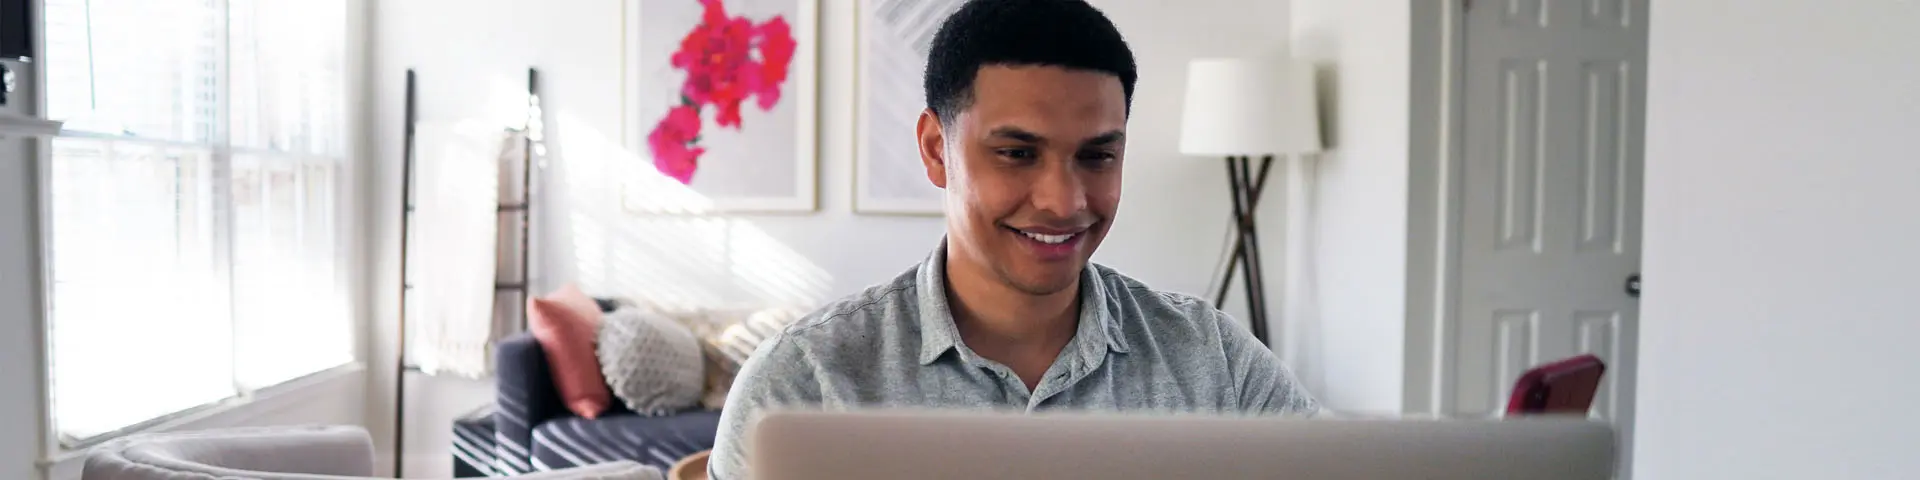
x=1048, y=238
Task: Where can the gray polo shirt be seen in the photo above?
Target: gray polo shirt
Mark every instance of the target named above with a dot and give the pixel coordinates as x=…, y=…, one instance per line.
x=895, y=346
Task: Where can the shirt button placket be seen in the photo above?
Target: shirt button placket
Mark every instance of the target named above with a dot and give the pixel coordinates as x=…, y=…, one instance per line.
x=1010, y=384
x=1054, y=386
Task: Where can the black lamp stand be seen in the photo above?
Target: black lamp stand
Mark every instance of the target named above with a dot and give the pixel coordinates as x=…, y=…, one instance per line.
x=1245, y=188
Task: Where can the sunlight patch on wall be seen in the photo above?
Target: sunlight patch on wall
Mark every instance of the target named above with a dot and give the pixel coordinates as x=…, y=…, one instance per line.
x=638, y=234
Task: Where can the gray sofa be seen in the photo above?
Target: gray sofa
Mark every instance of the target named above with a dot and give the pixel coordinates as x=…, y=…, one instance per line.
x=530, y=430
x=278, y=453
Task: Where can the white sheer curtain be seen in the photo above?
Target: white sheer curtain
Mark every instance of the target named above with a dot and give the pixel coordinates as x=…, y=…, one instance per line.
x=139, y=318
x=195, y=207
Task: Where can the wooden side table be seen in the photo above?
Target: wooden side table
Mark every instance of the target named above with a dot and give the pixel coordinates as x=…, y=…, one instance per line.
x=694, y=467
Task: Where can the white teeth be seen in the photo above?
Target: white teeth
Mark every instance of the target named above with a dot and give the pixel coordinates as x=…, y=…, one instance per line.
x=1048, y=239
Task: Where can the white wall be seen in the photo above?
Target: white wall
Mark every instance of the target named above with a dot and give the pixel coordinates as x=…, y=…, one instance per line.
x=1777, y=335
x=471, y=57
x=21, y=393
x=20, y=398
x=1360, y=201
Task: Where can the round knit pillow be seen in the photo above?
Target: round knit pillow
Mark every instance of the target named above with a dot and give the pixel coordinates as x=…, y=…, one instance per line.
x=651, y=362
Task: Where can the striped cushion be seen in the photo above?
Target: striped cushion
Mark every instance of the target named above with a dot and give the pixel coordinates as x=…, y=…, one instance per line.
x=655, y=441
x=473, y=448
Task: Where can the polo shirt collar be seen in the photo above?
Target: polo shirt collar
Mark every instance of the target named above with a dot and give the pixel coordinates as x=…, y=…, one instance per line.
x=1096, y=334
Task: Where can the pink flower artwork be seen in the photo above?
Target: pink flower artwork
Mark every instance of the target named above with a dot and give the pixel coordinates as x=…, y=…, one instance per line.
x=726, y=60
x=673, y=143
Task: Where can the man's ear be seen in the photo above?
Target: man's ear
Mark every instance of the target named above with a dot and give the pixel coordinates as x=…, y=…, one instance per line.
x=933, y=150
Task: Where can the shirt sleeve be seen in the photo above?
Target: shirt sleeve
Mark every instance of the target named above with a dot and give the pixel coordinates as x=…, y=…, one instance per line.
x=1266, y=387
x=777, y=375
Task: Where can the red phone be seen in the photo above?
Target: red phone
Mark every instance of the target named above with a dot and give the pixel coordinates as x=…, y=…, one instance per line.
x=1565, y=386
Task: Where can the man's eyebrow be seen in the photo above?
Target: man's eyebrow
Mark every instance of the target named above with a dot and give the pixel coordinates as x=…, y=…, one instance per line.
x=1105, y=139
x=1016, y=134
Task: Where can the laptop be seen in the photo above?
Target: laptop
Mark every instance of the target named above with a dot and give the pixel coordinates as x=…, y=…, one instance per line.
x=796, y=445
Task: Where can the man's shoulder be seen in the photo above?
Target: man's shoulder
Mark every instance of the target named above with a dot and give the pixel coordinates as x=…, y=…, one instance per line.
x=1130, y=292
x=1145, y=314
x=858, y=317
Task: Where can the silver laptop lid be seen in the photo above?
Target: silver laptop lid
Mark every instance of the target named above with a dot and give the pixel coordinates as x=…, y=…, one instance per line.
x=951, y=445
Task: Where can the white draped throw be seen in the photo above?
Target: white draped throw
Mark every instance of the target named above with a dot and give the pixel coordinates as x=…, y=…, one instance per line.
x=451, y=320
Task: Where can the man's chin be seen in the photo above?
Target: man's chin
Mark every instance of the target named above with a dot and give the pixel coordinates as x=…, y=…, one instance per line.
x=1042, y=283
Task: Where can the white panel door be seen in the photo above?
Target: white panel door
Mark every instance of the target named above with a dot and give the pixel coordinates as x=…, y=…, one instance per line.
x=1550, y=228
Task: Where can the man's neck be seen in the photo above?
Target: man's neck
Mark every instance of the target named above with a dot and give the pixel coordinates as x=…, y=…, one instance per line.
x=1003, y=323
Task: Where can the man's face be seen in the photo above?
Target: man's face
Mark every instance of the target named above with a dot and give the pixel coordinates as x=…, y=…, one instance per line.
x=1032, y=172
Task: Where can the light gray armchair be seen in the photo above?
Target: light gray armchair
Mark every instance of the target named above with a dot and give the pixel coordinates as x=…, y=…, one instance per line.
x=278, y=453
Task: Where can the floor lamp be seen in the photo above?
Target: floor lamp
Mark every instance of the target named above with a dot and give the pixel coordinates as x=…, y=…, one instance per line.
x=1239, y=109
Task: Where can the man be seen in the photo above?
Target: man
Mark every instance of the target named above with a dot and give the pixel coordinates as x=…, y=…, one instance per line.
x=1025, y=129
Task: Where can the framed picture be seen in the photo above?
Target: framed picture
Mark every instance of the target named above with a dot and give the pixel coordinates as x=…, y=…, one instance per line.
x=720, y=99
x=893, y=38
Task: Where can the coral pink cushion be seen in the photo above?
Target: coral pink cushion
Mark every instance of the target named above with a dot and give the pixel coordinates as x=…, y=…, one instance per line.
x=565, y=323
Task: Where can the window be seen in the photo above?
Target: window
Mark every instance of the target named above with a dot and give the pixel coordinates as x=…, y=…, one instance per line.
x=195, y=225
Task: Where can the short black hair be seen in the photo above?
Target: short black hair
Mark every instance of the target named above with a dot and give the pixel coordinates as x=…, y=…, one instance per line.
x=1061, y=33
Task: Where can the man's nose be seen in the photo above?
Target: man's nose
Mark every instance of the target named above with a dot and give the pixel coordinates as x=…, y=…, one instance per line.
x=1059, y=190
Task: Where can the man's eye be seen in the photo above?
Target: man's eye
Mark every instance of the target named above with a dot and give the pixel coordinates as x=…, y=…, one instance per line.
x=1017, y=153
x=1097, y=158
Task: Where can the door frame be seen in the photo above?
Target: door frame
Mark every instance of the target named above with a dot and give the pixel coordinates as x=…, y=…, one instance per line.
x=1435, y=200
x=1437, y=87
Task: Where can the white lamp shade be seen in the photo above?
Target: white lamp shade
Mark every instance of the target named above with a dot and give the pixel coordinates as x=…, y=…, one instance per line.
x=1249, y=107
